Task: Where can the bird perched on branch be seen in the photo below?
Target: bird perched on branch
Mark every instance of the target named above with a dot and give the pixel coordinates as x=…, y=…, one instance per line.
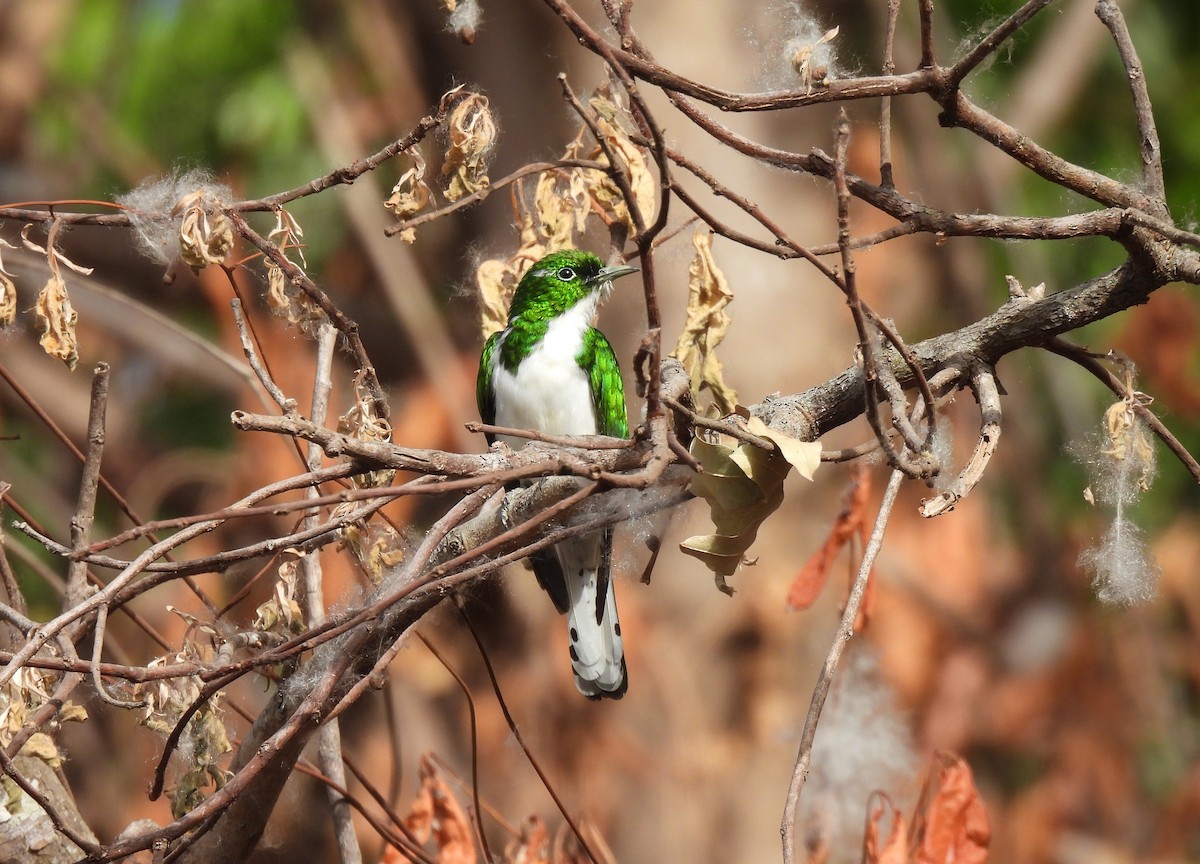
x=551, y=371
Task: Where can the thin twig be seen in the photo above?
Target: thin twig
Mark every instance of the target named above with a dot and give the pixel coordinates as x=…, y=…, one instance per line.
x=987, y=394
x=1149, y=146
x=89, y=483
x=825, y=680
x=285, y=404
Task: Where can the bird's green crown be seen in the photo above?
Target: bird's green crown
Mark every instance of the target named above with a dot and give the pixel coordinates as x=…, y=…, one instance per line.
x=556, y=283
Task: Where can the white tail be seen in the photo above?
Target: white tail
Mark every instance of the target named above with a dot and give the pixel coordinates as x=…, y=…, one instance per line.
x=597, y=656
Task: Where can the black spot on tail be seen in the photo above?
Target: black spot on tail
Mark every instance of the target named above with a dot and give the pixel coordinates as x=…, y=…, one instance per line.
x=574, y=636
x=574, y=654
x=617, y=627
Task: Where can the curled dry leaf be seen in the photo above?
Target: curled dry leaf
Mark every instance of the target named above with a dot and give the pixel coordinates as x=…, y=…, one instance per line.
x=804, y=456
x=8, y=292
x=436, y=814
x=472, y=132
x=411, y=194
x=743, y=485
x=953, y=826
x=56, y=318
x=605, y=194
x=42, y=746
x=707, y=322
x=286, y=299
x=895, y=849
x=363, y=422
x=532, y=845
x=282, y=614
x=55, y=315
x=205, y=232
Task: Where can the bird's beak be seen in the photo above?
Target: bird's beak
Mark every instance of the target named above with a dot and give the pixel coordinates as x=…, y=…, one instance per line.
x=608, y=274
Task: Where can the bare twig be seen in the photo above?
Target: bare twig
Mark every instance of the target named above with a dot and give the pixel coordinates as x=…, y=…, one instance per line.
x=833, y=658
x=983, y=383
x=89, y=483
x=1151, y=151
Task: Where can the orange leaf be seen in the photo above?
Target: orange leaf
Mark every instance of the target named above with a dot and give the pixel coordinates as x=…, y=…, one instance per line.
x=533, y=845
x=436, y=813
x=895, y=850
x=807, y=585
x=955, y=825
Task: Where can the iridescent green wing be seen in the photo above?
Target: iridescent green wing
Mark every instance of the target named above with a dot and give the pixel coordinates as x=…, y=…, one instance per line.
x=608, y=392
x=485, y=393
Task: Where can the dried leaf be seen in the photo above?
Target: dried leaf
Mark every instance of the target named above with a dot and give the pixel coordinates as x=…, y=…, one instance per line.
x=472, y=134
x=851, y=520
x=205, y=232
x=604, y=193
x=282, y=613
x=707, y=322
x=743, y=486
x=72, y=713
x=435, y=813
x=895, y=850
x=8, y=291
x=559, y=211
x=804, y=456
x=953, y=825
x=43, y=747
x=411, y=194
x=56, y=318
x=532, y=846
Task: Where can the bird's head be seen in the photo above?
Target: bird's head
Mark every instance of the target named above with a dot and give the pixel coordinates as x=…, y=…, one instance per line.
x=563, y=279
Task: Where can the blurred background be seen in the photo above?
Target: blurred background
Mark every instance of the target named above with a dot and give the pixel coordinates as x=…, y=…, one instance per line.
x=1081, y=721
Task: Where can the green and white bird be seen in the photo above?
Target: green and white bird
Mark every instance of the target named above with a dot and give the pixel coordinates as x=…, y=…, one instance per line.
x=551, y=371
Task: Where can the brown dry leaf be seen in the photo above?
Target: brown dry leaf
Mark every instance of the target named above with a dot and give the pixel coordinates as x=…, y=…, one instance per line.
x=55, y=315
x=56, y=318
x=410, y=195
x=851, y=520
x=604, y=193
x=472, y=132
x=895, y=850
x=743, y=485
x=286, y=299
x=42, y=746
x=205, y=232
x=532, y=846
x=561, y=212
x=8, y=292
x=954, y=824
x=706, y=325
x=436, y=813
x=804, y=456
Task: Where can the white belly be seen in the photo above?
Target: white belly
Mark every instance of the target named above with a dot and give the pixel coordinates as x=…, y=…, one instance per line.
x=549, y=392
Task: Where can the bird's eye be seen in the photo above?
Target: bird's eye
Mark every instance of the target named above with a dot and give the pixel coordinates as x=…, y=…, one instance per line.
x=566, y=274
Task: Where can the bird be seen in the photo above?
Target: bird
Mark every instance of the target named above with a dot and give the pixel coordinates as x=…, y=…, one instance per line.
x=550, y=370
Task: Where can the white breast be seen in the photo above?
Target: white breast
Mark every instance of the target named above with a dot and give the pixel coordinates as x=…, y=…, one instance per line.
x=549, y=392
